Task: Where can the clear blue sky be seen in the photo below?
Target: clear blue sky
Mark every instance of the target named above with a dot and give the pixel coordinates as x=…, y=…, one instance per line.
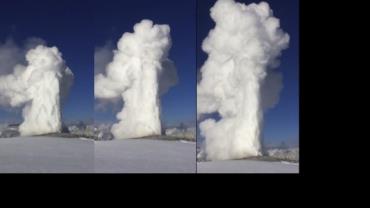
x=282, y=122
x=113, y=18
x=65, y=24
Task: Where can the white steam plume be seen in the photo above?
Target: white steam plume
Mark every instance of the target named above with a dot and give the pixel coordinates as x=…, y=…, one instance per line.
x=38, y=87
x=238, y=81
x=11, y=54
x=139, y=73
x=102, y=56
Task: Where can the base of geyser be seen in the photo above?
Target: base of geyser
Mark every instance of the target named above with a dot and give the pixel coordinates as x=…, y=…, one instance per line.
x=23, y=130
x=136, y=136
x=135, y=129
x=137, y=121
x=219, y=146
x=37, y=132
x=273, y=160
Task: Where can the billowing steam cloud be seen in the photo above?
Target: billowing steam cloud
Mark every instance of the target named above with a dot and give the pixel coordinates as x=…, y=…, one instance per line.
x=38, y=86
x=238, y=81
x=139, y=73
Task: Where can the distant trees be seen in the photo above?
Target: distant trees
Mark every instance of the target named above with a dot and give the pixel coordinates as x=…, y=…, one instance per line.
x=283, y=145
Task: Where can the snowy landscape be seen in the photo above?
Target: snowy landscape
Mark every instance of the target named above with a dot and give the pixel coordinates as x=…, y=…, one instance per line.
x=247, y=166
x=46, y=154
x=43, y=154
x=142, y=109
x=91, y=149
x=145, y=156
x=91, y=153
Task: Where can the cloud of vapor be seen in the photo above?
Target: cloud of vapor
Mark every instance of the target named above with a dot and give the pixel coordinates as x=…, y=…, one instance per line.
x=139, y=73
x=11, y=54
x=102, y=56
x=238, y=80
x=38, y=84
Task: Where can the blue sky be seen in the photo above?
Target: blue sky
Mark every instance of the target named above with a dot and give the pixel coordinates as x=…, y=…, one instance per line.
x=65, y=24
x=113, y=18
x=282, y=122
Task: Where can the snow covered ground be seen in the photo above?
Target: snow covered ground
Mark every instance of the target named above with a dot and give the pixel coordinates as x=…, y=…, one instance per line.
x=144, y=156
x=72, y=155
x=46, y=155
x=247, y=166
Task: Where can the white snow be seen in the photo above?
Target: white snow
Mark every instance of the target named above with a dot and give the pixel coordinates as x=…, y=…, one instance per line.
x=144, y=156
x=46, y=155
x=80, y=155
x=247, y=166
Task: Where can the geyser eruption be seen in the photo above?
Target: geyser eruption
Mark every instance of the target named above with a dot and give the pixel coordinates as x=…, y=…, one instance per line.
x=238, y=81
x=140, y=72
x=39, y=87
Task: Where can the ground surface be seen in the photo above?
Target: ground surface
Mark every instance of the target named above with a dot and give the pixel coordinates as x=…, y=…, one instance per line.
x=46, y=155
x=73, y=155
x=247, y=166
x=145, y=156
